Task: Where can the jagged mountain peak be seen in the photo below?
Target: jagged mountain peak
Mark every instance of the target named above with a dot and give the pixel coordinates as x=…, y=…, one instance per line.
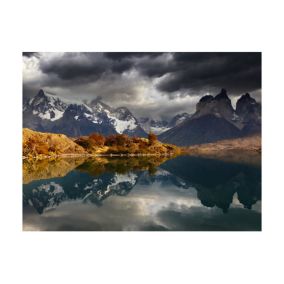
x=206, y=98
x=98, y=105
x=222, y=95
x=249, y=112
x=46, y=106
x=246, y=99
x=220, y=106
x=74, y=118
x=178, y=119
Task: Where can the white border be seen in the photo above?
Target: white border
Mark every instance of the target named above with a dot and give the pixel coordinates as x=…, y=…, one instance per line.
x=141, y=26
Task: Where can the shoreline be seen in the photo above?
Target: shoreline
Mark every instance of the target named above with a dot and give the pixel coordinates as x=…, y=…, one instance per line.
x=95, y=155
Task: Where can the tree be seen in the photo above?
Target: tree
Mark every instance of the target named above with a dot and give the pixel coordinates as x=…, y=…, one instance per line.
x=152, y=138
x=97, y=139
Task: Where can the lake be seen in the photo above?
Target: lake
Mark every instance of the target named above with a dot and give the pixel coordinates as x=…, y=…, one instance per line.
x=141, y=194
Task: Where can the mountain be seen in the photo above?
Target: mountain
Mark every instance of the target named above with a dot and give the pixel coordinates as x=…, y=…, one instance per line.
x=48, y=113
x=160, y=126
x=220, y=106
x=207, y=128
x=215, y=119
x=178, y=119
x=249, y=113
x=155, y=126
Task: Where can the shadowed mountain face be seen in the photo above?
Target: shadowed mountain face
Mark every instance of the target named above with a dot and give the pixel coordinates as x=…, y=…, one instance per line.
x=184, y=193
x=205, y=129
x=215, y=119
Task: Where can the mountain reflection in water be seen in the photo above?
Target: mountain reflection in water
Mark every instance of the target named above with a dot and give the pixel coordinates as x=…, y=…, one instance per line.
x=183, y=193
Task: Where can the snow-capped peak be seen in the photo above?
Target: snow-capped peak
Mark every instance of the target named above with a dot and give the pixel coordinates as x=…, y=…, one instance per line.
x=95, y=116
x=47, y=106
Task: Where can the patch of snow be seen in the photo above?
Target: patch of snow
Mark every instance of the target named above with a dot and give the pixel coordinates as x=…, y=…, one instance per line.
x=87, y=115
x=88, y=108
x=159, y=130
x=57, y=114
x=47, y=115
x=122, y=125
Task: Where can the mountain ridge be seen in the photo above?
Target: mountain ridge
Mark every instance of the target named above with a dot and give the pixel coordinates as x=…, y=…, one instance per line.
x=48, y=113
x=215, y=119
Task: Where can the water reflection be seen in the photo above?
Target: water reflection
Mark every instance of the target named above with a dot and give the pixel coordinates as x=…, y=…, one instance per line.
x=184, y=193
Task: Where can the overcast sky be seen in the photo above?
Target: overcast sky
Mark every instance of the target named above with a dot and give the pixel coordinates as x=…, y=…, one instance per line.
x=159, y=85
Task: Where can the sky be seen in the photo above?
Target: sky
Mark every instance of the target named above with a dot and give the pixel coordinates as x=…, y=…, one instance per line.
x=155, y=84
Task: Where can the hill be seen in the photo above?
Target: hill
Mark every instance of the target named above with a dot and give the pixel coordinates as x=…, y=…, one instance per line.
x=48, y=144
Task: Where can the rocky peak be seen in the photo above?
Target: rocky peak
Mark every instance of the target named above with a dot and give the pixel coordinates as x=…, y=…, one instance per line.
x=222, y=95
x=78, y=112
x=220, y=106
x=179, y=118
x=123, y=113
x=248, y=109
x=244, y=103
x=46, y=106
x=98, y=106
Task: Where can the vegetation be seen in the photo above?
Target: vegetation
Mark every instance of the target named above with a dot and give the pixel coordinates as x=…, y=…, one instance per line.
x=41, y=145
x=121, y=144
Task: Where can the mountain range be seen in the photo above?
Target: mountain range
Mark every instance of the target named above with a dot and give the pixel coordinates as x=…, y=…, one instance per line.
x=214, y=119
x=48, y=113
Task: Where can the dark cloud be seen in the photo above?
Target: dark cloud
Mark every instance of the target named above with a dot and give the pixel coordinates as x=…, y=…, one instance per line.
x=90, y=66
x=76, y=66
x=144, y=82
x=238, y=72
x=30, y=54
x=127, y=55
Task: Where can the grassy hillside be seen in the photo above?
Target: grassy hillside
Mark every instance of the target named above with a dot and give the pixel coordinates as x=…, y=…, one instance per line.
x=38, y=144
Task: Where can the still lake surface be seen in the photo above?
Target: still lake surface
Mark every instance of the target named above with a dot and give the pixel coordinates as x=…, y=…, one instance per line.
x=181, y=194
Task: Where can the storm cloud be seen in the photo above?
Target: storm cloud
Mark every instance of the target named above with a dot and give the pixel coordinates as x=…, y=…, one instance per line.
x=157, y=83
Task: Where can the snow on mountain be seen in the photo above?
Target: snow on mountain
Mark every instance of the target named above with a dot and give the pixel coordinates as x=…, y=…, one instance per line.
x=155, y=126
x=160, y=126
x=47, y=112
x=46, y=106
x=178, y=119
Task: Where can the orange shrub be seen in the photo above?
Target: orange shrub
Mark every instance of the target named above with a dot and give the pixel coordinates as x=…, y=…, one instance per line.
x=152, y=138
x=97, y=139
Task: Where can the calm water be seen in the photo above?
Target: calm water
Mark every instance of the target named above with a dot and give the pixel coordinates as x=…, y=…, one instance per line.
x=185, y=193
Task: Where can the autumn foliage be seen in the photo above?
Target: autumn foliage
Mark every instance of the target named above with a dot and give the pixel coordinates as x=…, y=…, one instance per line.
x=123, y=144
x=152, y=138
x=48, y=144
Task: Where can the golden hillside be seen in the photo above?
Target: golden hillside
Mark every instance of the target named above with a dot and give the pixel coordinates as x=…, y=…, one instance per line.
x=38, y=144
